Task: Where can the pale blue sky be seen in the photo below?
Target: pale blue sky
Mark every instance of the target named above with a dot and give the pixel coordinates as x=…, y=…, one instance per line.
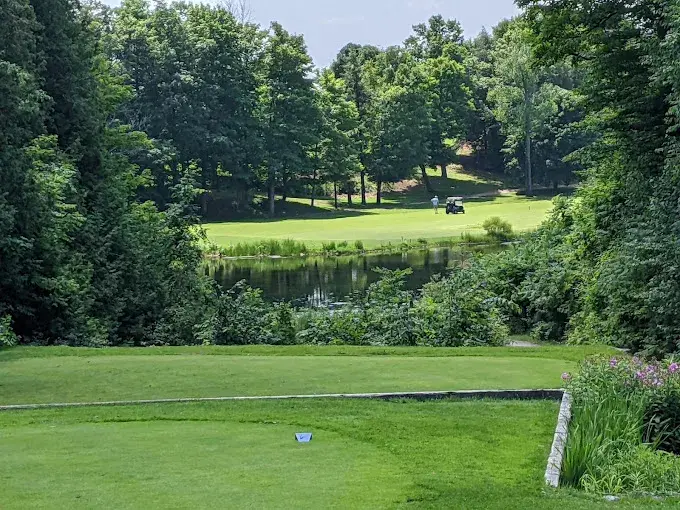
x=330, y=24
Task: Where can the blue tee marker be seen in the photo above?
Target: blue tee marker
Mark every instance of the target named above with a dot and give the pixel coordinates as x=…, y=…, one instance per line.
x=303, y=437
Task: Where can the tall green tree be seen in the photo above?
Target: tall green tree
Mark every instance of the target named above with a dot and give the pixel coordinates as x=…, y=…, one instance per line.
x=286, y=110
x=522, y=98
x=438, y=45
x=397, y=135
x=193, y=70
x=337, y=152
x=350, y=65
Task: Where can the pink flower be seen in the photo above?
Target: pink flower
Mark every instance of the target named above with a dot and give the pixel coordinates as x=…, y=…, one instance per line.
x=566, y=376
x=640, y=375
x=674, y=367
x=613, y=362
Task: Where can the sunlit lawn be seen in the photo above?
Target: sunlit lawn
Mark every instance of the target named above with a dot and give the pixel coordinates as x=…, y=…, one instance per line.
x=39, y=375
x=376, y=226
x=363, y=455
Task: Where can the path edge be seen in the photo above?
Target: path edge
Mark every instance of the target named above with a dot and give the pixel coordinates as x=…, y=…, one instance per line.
x=554, y=469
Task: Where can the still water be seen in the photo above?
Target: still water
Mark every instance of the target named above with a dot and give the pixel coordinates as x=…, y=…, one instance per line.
x=317, y=281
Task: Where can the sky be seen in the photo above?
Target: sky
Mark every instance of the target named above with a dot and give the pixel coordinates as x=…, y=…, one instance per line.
x=330, y=24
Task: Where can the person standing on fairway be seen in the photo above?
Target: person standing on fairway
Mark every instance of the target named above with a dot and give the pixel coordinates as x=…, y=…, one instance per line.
x=435, y=204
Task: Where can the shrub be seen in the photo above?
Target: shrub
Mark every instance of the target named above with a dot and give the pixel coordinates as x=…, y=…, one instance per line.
x=359, y=245
x=460, y=310
x=498, y=229
x=280, y=329
x=7, y=336
x=243, y=317
x=329, y=247
x=635, y=470
x=624, y=410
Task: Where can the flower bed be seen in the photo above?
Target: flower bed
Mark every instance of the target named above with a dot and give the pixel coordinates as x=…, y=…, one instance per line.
x=625, y=428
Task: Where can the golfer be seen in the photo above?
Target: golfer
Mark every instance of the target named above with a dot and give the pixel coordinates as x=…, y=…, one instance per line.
x=435, y=204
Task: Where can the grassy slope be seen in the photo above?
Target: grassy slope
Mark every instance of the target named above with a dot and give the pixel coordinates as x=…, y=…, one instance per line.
x=472, y=455
x=405, y=215
x=62, y=374
x=76, y=379
x=59, y=374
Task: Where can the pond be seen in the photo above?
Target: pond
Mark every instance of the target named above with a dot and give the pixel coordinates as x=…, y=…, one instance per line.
x=318, y=281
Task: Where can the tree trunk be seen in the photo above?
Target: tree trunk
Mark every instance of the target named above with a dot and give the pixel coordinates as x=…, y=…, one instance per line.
x=284, y=192
x=426, y=179
x=313, y=187
x=379, y=195
x=335, y=193
x=445, y=172
x=204, y=204
x=527, y=136
x=349, y=196
x=272, y=198
x=363, y=187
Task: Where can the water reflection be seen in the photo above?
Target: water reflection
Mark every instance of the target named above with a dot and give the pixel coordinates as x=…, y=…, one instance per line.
x=320, y=281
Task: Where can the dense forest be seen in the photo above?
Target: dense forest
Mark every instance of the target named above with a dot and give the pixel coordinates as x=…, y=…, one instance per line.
x=121, y=128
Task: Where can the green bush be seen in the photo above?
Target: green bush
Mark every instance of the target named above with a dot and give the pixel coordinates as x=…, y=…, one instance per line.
x=624, y=412
x=460, y=310
x=453, y=311
x=498, y=229
x=243, y=317
x=329, y=247
x=359, y=245
x=280, y=328
x=7, y=336
x=634, y=470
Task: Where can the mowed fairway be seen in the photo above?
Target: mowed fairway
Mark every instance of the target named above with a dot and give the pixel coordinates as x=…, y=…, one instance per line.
x=383, y=225
x=102, y=377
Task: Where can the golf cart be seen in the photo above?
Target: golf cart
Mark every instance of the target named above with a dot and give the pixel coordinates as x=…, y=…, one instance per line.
x=454, y=205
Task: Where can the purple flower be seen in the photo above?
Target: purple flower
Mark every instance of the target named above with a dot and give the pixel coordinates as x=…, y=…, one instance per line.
x=674, y=367
x=566, y=376
x=637, y=361
x=640, y=375
x=613, y=362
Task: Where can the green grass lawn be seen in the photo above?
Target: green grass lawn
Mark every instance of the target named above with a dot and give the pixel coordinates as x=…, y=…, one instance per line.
x=376, y=226
x=102, y=378
x=364, y=455
x=43, y=375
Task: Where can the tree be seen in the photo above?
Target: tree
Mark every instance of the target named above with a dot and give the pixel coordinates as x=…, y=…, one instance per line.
x=337, y=154
x=286, y=109
x=349, y=65
x=83, y=261
x=397, y=135
x=521, y=98
x=438, y=45
x=193, y=72
x=484, y=133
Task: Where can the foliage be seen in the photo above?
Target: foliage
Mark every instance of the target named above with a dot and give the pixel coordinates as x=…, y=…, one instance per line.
x=449, y=313
x=85, y=260
x=7, y=336
x=460, y=310
x=497, y=228
x=624, y=411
